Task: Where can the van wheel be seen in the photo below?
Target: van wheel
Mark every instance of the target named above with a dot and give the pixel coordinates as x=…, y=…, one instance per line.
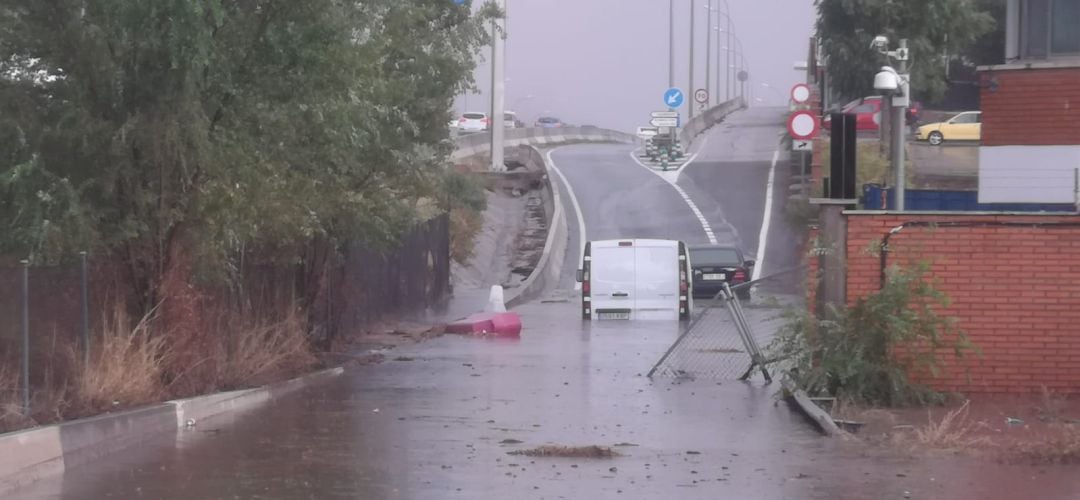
x=935, y=138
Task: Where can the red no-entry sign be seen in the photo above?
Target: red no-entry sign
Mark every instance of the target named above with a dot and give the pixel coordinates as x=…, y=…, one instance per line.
x=800, y=93
x=802, y=125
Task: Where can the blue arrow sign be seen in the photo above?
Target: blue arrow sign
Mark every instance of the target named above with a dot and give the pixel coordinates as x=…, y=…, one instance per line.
x=673, y=98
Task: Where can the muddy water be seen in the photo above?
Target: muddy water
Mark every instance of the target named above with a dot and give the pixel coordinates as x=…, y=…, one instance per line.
x=436, y=427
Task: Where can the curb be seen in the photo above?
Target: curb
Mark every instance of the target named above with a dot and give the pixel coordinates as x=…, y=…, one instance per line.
x=551, y=260
x=30, y=455
x=802, y=402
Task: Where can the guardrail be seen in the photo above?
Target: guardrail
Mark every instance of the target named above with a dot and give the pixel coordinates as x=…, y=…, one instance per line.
x=710, y=117
x=480, y=143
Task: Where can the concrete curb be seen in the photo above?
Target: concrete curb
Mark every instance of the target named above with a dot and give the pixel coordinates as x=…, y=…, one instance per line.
x=802, y=402
x=29, y=455
x=551, y=259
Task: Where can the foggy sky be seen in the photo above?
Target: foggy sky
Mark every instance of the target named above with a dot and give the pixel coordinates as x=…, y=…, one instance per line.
x=605, y=62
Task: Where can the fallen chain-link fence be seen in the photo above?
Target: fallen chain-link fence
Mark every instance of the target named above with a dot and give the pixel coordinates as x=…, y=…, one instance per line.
x=727, y=337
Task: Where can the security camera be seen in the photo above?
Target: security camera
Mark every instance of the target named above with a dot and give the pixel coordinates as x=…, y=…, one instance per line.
x=881, y=42
x=887, y=80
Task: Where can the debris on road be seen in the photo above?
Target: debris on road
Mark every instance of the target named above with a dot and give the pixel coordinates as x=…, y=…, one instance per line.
x=569, y=452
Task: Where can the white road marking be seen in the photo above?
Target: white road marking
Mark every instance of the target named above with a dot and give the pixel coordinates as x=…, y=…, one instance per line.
x=690, y=203
x=763, y=238
x=577, y=208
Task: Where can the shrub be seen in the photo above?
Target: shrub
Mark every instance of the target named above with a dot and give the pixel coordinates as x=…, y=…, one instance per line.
x=869, y=352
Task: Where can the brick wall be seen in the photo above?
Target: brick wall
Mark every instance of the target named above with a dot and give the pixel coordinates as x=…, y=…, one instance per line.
x=1014, y=290
x=1031, y=107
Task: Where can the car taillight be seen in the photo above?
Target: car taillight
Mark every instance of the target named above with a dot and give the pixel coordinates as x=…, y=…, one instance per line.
x=740, y=276
x=462, y=120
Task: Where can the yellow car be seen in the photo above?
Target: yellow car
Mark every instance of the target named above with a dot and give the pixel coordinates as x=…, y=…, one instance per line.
x=965, y=126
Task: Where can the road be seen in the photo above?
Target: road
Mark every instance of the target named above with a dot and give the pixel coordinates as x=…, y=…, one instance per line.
x=438, y=420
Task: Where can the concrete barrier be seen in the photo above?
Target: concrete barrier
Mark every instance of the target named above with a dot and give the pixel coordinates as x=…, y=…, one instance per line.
x=549, y=267
x=29, y=455
x=704, y=121
x=480, y=143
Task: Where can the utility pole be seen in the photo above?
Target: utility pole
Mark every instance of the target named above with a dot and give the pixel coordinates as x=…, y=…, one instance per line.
x=690, y=86
x=899, y=110
x=671, y=44
x=708, y=51
x=498, y=89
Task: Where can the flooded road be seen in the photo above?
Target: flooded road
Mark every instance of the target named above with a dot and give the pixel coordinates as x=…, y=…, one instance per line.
x=437, y=421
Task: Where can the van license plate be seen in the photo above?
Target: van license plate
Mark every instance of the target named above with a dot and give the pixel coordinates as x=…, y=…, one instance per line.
x=618, y=315
x=714, y=277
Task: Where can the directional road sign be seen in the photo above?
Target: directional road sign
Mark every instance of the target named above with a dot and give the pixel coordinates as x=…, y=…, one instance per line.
x=664, y=122
x=673, y=98
x=801, y=145
x=665, y=114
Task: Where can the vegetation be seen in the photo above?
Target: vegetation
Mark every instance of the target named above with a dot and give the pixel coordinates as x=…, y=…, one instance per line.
x=935, y=30
x=875, y=351
x=176, y=141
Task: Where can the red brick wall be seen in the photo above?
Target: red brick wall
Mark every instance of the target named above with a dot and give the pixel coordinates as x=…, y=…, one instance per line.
x=1014, y=290
x=1034, y=107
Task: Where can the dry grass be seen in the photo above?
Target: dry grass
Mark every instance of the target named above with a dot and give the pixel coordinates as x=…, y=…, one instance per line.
x=11, y=416
x=465, y=224
x=124, y=369
x=952, y=432
x=568, y=452
x=1060, y=446
x=261, y=353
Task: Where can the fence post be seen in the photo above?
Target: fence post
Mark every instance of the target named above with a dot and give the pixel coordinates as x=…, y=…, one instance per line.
x=25, y=375
x=85, y=309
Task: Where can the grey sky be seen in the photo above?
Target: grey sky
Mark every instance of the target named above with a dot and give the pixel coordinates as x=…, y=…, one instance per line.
x=605, y=62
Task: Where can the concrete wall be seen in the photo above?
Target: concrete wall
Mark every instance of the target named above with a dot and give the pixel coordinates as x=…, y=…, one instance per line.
x=1014, y=283
x=710, y=117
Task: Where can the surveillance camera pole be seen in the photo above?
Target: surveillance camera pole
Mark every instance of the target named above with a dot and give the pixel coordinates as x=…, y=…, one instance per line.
x=900, y=104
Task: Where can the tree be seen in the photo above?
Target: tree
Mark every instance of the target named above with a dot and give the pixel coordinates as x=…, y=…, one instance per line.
x=933, y=28
x=173, y=134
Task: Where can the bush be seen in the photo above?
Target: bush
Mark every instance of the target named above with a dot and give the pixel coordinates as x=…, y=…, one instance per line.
x=869, y=352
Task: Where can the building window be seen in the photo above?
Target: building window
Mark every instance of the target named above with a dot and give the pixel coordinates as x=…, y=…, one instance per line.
x=1049, y=28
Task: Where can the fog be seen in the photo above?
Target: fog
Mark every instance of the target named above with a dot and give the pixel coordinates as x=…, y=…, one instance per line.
x=605, y=62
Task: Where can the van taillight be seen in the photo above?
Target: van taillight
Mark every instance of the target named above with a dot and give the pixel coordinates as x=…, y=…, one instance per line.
x=585, y=286
x=683, y=285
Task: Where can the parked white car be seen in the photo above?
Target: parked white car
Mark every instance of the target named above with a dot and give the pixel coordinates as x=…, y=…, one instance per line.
x=636, y=279
x=474, y=121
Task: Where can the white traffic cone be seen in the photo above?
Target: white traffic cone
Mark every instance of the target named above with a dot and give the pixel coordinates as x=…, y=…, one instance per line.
x=495, y=300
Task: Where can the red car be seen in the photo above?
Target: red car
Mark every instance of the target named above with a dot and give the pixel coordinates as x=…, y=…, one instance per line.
x=868, y=113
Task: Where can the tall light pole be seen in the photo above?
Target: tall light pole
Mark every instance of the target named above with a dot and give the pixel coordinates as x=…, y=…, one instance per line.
x=690, y=82
x=708, y=51
x=718, y=67
x=671, y=44
x=498, y=89
x=731, y=77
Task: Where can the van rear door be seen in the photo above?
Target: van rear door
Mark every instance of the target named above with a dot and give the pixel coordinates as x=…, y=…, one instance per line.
x=612, y=281
x=656, y=291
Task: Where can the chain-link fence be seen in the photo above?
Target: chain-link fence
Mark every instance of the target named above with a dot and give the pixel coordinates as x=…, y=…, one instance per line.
x=729, y=334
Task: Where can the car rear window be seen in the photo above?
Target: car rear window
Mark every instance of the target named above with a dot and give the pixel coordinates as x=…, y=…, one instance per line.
x=715, y=256
x=474, y=116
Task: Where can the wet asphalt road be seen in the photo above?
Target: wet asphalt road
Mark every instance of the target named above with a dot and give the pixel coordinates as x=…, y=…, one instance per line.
x=437, y=420
x=434, y=425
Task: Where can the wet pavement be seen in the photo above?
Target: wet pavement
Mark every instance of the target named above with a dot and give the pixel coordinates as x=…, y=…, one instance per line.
x=437, y=421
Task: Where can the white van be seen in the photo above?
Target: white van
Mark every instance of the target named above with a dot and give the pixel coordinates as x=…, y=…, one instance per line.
x=636, y=279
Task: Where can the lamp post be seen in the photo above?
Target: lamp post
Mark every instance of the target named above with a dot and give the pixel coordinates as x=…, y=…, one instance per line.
x=708, y=50
x=690, y=82
x=671, y=44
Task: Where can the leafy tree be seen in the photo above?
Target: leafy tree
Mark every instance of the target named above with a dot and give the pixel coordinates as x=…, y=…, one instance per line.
x=933, y=28
x=173, y=131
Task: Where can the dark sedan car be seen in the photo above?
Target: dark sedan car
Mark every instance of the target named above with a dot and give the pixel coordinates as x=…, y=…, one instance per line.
x=715, y=265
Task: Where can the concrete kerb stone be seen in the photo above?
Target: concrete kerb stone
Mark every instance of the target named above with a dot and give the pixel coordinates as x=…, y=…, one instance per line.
x=799, y=400
x=29, y=455
x=551, y=259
